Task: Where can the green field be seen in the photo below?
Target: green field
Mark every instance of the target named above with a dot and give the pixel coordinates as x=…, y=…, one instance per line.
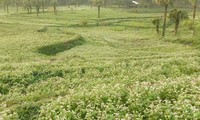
x=75, y=66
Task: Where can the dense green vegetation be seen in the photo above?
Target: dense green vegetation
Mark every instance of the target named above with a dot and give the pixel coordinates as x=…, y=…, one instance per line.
x=74, y=66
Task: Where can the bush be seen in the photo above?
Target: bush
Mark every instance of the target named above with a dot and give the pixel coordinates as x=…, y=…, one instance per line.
x=83, y=23
x=3, y=90
x=42, y=29
x=105, y=23
x=29, y=112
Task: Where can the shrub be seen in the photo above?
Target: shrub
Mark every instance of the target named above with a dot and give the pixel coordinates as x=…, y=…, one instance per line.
x=156, y=22
x=105, y=23
x=83, y=23
x=29, y=112
x=3, y=90
x=97, y=23
x=42, y=29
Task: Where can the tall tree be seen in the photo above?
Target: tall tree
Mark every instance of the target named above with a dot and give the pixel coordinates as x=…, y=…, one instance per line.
x=54, y=3
x=43, y=5
x=119, y=2
x=98, y=3
x=6, y=4
x=17, y=2
x=37, y=4
x=28, y=5
x=91, y=3
x=2, y=3
x=156, y=22
x=194, y=4
x=165, y=4
x=176, y=16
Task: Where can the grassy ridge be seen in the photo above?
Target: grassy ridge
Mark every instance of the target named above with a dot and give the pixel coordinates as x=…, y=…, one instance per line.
x=86, y=68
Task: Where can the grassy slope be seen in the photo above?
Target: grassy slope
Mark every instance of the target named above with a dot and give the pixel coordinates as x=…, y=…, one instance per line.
x=119, y=69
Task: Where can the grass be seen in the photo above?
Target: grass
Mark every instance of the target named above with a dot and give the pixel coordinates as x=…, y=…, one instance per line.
x=115, y=67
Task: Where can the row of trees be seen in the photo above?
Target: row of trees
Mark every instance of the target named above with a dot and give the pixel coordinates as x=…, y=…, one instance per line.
x=41, y=4
x=146, y=3
x=76, y=2
x=174, y=14
x=29, y=4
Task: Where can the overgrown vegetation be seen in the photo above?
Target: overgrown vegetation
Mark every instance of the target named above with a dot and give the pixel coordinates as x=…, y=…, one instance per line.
x=78, y=66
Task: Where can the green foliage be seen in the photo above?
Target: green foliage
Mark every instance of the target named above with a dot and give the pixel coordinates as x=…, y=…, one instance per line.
x=190, y=24
x=83, y=23
x=42, y=29
x=4, y=89
x=117, y=71
x=105, y=23
x=98, y=2
x=175, y=15
x=193, y=26
x=156, y=22
x=164, y=2
x=29, y=112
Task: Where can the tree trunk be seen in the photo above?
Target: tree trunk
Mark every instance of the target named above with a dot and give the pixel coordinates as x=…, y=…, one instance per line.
x=105, y=3
x=194, y=15
x=193, y=32
x=99, y=11
x=38, y=10
x=157, y=28
x=193, y=29
x=176, y=26
x=37, y=13
x=194, y=10
x=43, y=6
x=7, y=8
x=54, y=8
x=165, y=18
x=91, y=5
x=16, y=7
x=4, y=7
x=30, y=8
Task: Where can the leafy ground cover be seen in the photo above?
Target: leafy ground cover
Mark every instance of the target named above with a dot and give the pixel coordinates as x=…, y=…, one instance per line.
x=74, y=66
